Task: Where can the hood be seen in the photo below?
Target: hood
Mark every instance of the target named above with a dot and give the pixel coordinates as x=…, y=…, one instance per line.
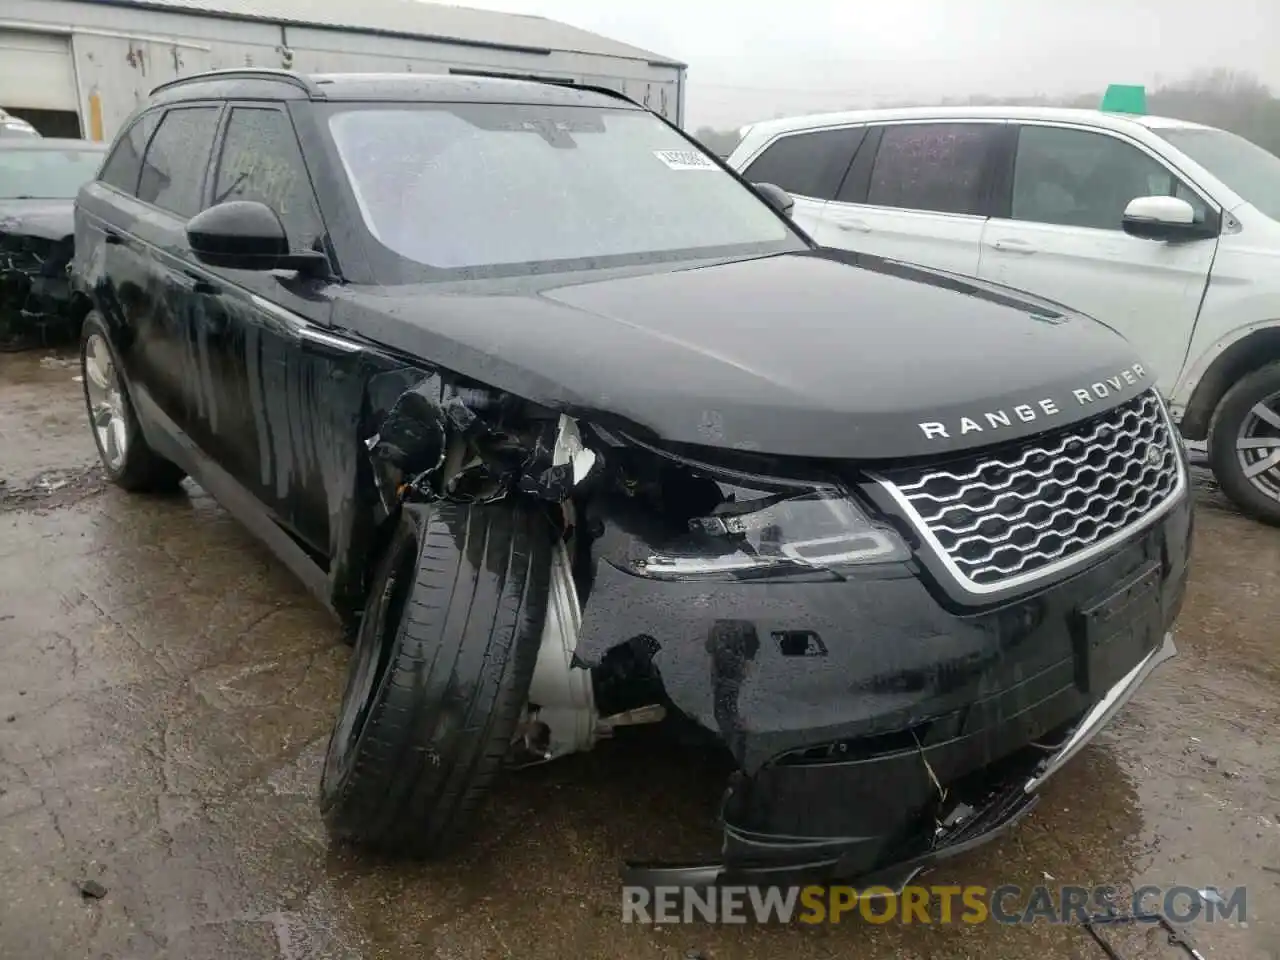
x=813, y=354
x=49, y=219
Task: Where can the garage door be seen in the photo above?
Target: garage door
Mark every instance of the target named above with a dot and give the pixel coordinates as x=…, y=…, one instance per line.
x=36, y=71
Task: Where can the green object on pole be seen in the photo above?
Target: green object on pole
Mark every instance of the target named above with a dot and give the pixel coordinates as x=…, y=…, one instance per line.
x=1124, y=98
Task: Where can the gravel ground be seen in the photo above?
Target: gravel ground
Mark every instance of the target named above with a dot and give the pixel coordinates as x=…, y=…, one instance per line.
x=168, y=689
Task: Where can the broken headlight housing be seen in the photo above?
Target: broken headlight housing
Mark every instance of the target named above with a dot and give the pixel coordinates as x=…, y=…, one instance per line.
x=760, y=526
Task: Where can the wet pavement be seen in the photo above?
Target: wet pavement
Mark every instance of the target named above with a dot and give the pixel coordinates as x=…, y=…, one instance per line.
x=168, y=688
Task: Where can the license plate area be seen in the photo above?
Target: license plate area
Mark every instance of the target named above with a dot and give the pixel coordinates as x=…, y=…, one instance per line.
x=1116, y=632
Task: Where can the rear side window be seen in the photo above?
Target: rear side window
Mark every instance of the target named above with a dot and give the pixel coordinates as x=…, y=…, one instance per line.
x=124, y=166
x=939, y=167
x=261, y=161
x=807, y=164
x=174, y=168
x=1078, y=178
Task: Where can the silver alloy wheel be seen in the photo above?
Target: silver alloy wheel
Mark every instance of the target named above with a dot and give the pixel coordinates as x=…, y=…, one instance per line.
x=1258, y=446
x=106, y=402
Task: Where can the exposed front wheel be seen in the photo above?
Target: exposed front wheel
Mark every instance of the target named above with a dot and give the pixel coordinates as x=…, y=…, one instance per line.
x=126, y=457
x=439, y=676
x=1244, y=444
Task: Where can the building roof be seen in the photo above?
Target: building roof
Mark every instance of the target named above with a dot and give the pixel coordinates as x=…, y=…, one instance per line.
x=414, y=18
x=1093, y=118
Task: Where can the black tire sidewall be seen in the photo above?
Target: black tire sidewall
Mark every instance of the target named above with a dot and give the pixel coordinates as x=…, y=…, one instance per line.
x=408, y=782
x=341, y=759
x=1231, y=411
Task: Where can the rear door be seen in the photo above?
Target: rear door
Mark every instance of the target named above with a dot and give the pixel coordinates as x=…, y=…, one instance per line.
x=130, y=237
x=918, y=192
x=1060, y=237
x=809, y=165
x=170, y=189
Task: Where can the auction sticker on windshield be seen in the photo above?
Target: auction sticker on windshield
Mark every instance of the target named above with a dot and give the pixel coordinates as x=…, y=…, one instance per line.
x=685, y=160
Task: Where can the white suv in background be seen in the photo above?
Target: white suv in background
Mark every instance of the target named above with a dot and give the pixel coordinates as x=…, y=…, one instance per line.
x=1167, y=231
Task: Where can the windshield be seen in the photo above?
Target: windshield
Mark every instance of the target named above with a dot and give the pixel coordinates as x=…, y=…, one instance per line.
x=42, y=174
x=1243, y=166
x=496, y=189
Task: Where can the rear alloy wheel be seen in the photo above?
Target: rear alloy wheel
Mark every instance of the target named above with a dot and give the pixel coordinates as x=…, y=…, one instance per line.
x=440, y=674
x=126, y=458
x=1244, y=444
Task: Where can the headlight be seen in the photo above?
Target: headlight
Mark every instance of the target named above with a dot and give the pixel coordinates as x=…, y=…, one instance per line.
x=764, y=525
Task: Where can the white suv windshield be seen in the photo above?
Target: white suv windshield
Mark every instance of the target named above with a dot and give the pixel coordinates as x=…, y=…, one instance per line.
x=497, y=188
x=1243, y=166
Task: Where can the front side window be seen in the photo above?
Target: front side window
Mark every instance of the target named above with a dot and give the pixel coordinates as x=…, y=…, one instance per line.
x=1078, y=178
x=46, y=173
x=261, y=161
x=1249, y=170
x=807, y=164
x=506, y=189
x=173, y=171
x=938, y=167
x=124, y=166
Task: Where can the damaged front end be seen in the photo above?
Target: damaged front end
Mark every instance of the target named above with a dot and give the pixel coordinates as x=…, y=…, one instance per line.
x=35, y=287
x=783, y=610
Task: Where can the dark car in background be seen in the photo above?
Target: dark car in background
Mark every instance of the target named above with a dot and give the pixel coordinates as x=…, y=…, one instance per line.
x=39, y=179
x=573, y=429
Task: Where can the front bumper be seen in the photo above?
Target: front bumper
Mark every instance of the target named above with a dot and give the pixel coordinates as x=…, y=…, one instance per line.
x=849, y=702
x=758, y=860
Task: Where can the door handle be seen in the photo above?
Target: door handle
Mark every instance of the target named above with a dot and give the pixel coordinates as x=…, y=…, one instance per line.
x=1014, y=246
x=854, y=226
x=112, y=237
x=200, y=285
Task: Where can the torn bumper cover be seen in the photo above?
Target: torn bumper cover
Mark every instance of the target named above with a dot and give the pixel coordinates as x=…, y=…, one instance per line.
x=876, y=730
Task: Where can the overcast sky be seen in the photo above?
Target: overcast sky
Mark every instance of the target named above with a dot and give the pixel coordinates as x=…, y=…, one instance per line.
x=749, y=61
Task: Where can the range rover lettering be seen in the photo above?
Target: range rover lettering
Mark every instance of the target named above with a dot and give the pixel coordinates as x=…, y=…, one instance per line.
x=572, y=429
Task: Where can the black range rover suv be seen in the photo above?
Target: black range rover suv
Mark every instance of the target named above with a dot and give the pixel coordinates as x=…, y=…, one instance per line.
x=573, y=429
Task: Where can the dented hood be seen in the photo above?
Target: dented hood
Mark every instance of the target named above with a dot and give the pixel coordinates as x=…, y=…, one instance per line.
x=816, y=354
x=48, y=219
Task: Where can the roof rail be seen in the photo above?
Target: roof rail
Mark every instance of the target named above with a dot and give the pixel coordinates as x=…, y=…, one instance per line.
x=298, y=80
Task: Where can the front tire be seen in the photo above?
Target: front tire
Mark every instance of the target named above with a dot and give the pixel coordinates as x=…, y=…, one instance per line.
x=1244, y=444
x=127, y=459
x=439, y=676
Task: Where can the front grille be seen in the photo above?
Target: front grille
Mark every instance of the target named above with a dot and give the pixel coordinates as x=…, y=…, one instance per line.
x=1002, y=518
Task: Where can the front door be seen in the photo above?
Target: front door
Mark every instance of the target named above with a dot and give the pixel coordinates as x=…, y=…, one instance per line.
x=274, y=387
x=1063, y=240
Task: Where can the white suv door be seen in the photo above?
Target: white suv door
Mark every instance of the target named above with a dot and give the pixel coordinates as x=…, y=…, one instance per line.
x=809, y=165
x=918, y=191
x=1063, y=240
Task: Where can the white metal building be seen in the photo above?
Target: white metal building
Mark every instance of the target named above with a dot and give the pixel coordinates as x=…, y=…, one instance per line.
x=79, y=67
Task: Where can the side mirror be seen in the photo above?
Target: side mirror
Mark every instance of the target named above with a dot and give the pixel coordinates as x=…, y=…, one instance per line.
x=245, y=235
x=777, y=197
x=1163, y=218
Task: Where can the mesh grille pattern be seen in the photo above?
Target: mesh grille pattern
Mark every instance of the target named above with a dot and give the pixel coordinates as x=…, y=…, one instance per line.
x=1004, y=516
